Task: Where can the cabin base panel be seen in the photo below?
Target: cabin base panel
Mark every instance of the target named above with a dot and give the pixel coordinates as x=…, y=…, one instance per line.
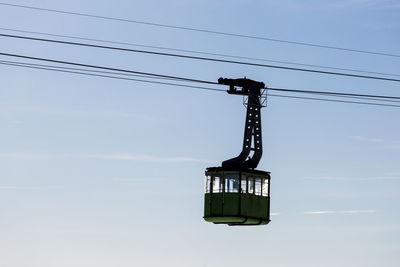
x=236, y=220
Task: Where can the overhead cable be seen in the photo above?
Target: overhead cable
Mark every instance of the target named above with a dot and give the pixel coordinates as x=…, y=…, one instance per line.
x=105, y=68
x=82, y=69
x=155, y=75
x=84, y=72
x=331, y=100
x=202, y=30
x=337, y=94
x=199, y=52
x=204, y=58
x=184, y=85
x=330, y=93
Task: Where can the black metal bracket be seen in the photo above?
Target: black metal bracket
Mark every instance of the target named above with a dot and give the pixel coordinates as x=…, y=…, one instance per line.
x=252, y=140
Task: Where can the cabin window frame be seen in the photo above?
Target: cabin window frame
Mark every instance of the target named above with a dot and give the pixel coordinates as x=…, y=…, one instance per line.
x=220, y=187
x=265, y=187
x=250, y=184
x=207, y=184
x=257, y=186
x=230, y=180
x=243, y=179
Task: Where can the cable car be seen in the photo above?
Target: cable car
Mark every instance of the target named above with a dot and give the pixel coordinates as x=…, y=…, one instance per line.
x=236, y=193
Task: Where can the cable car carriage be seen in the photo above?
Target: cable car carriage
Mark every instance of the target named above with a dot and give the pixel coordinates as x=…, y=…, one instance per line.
x=236, y=193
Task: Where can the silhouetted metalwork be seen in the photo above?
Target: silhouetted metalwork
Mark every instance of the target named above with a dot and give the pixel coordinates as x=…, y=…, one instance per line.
x=236, y=193
x=252, y=140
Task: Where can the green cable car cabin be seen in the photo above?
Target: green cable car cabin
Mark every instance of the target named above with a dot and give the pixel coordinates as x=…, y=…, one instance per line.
x=236, y=193
x=236, y=197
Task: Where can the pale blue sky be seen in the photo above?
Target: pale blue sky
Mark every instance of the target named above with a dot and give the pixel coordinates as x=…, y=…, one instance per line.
x=100, y=172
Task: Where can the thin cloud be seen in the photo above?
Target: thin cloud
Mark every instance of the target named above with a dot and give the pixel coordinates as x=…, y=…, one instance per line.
x=355, y=179
x=22, y=155
x=133, y=180
x=395, y=146
x=366, y=139
x=322, y=212
x=275, y=213
x=35, y=156
x=380, y=4
x=134, y=157
x=327, y=178
x=14, y=187
x=125, y=157
x=378, y=178
x=80, y=113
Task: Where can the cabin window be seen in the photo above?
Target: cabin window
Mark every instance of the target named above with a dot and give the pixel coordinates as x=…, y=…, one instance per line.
x=251, y=185
x=231, y=183
x=243, y=184
x=207, y=185
x=257, y=188
x=217, y=184
x=265, y=182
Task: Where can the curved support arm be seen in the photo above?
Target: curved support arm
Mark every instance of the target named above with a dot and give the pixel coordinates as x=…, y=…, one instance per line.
x=252, y=140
